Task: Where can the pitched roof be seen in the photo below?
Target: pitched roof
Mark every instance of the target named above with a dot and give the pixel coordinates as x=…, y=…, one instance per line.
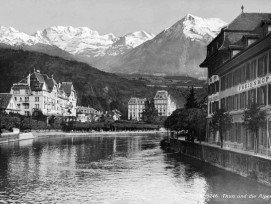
x=161, y=94
x=247, y=21
x=4, y=100
x=67, y=87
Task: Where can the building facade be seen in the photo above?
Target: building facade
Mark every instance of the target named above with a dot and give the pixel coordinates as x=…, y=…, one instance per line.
x=39, y=92
x=239, y=73
x=163, y=103
x=7, y=103
x=87, y=114
x=135, y=108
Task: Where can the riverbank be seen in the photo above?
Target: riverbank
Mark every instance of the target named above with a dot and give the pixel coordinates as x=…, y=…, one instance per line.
x=36, y=134
x=246, y=164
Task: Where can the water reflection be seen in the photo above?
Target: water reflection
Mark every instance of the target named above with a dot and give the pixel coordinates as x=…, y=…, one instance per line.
x=112, y=170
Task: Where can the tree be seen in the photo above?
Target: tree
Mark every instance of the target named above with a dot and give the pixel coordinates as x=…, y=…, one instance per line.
x=191, y=101
x=221, y=121
x=150, y=112
x=191, y=120
x=254, y=118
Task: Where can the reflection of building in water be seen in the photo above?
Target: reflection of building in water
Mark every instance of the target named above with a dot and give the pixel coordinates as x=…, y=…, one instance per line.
x=134, y=145
x=115, y=145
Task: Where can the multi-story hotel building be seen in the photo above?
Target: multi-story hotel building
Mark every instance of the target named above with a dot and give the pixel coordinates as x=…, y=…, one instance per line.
x=135, y=108
x=39, y=92
x=164, y=103
x=239, y=71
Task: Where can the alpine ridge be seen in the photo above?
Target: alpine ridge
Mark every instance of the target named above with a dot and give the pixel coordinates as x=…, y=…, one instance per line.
x=177, y=50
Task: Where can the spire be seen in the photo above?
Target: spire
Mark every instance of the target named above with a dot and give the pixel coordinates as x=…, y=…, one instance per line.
x=242, y=7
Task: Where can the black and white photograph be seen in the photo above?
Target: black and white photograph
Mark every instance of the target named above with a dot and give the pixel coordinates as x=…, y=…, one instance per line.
x=135, y=101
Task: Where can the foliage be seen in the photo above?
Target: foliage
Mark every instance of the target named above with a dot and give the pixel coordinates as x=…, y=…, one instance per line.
x=254, y=118
x=192, y=119
x=9, y=121
x=150, y=112
x=191, y=101
x=38, y=115
x=221, y=121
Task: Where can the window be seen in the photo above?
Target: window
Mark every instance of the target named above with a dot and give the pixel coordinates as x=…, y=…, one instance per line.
x=223, y=103
x=15, y=98
x=236, y=102
x=19, y=106
x=21, y=99
x=261, y=95
x=253, y=70
x=243, y=100
x=262, y=66
x=26, y=99
x=243, y=74
x=251, y=96
x=248, y=71
x=250, y=41
x=27, y=113
x=26, y=106
x=16, y=91
x=37, y=99
x=37, y=106
x=235, y=52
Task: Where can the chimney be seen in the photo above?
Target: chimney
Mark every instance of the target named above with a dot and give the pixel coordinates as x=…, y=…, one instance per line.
x=28, y=79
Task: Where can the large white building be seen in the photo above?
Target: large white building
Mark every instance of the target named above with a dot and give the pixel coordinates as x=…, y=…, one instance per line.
x=135, y=108
x=39, y=92
x=164, y=103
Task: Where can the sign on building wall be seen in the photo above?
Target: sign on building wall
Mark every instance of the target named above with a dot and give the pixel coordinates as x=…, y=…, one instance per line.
x=213, y=97
x=255, y=83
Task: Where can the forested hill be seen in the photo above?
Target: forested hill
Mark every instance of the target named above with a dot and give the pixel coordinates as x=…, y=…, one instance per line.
x=95, y=88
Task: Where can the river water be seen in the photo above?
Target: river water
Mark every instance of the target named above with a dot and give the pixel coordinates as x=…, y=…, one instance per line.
x=114, y=170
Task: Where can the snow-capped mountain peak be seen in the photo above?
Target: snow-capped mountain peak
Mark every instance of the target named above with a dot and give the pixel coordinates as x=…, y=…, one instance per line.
x=196, y=28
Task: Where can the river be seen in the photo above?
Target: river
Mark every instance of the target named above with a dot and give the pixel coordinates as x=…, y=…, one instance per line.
x=115, y=170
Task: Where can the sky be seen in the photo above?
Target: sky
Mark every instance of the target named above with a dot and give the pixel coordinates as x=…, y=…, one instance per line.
x=118, y=16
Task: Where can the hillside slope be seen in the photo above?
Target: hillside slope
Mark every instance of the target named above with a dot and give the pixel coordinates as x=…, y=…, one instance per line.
x=94, y=87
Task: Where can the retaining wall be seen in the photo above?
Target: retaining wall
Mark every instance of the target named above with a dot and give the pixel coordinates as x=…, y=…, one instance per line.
x=254, y=167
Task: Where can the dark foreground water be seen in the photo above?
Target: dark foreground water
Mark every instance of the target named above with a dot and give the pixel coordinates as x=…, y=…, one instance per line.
x=114, y=170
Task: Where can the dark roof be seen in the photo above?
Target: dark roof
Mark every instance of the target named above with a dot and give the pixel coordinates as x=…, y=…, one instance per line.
x=50, y=82
x=248, y=21
x=246, y=25
x=4, y=100
x=67, y=87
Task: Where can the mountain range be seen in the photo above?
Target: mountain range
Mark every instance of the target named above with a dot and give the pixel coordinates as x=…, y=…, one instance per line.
x=177, y=50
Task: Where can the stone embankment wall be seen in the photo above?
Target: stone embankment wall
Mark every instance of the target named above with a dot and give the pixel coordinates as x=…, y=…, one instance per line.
x=254, y=167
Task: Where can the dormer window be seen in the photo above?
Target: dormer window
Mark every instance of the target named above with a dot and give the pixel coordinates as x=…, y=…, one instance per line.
x=235, y=52
x=250, y=41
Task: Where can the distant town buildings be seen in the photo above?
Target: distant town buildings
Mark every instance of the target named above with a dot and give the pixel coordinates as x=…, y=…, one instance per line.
x=7, y=103
x=239, y=72
x=164, y=103
x=39, y=92
x=162, y=100
x=135, y=108
x=87, y=114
